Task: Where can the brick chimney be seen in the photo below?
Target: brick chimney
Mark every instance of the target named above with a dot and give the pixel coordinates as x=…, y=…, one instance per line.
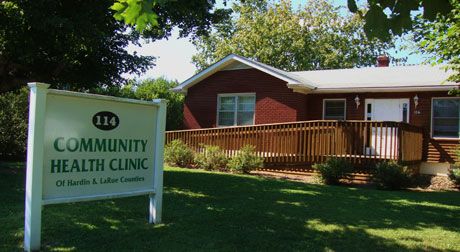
x=383, y=61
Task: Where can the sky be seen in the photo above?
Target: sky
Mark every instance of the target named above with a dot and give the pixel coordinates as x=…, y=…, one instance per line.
x=174, y=55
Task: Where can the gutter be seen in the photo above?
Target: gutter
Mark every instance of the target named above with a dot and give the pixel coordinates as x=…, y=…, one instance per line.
x=302, y=89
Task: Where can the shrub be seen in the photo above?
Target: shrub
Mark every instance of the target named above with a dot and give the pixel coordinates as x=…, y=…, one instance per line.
x=246, y=160
x=454, y=175
x=391, y=175
x=454, y=172
x=14, y=107
x=333, y=170
x=178, y=153
x=212, y=158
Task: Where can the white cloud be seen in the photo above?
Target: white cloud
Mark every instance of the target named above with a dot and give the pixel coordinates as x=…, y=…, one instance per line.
x=174, y=58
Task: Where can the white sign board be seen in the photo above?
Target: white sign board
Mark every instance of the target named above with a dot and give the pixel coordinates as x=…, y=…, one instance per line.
x=87, y=147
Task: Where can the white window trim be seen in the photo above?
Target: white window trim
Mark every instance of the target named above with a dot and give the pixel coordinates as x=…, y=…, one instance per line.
x=431, y=119
x=335, y=99
x=236, y=108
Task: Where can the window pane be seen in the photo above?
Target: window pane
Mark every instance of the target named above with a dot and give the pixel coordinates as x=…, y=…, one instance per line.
x=246, y=103
x=334, y=110
x=227, y=103
x=226, y=118
x=245, y=118
x=445, y=108
x=443, y=127
x=446, y=118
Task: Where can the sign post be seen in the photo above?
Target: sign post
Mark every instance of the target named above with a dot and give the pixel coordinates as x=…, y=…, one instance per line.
x=156, y=199
x=88, y=147
x=33, y=211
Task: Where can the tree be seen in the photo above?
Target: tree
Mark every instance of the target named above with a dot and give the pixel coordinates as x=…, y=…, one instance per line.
x=14, y=108
x=384, y=18
x=147, y=15
x=150, y=89
x=79, y=44
x=441, y=38
x=161, y=89
x=316, y=37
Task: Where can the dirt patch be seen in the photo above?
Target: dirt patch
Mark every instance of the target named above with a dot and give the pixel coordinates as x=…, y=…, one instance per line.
x=293, y=176
x=434, y=183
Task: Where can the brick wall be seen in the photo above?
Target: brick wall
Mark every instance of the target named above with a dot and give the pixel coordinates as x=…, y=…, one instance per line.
x=275, y=102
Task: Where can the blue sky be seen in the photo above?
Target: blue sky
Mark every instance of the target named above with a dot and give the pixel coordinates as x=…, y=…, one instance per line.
x=174, y=55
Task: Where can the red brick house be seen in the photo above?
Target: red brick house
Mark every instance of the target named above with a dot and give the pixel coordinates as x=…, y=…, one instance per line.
x=238, y=91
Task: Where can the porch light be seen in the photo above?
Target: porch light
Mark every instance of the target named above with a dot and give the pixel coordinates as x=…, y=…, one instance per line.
x=357, y=101
x=416, y=101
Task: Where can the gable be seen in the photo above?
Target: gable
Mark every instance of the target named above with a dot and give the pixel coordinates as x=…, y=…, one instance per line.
x=236, y=66
x=233, y=61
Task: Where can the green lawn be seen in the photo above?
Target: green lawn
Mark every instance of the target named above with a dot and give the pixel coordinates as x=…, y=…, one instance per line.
x=215, y=211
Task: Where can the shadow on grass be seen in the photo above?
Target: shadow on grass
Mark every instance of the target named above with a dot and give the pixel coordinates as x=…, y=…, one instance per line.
x=209, y=211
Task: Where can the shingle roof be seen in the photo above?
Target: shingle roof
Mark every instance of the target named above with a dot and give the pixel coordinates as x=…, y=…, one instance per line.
x=378, y=77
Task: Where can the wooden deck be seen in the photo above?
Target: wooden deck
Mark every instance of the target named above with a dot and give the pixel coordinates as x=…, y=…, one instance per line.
x=309, y=142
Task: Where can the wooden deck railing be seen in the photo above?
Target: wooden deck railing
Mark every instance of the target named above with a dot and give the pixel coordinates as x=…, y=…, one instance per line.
x=310, y=142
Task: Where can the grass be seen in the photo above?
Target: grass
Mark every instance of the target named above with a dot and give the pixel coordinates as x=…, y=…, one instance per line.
x=215, y=211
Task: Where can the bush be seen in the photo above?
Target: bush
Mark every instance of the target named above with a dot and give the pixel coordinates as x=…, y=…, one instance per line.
x=391, y=175
x=454, y=172
x=14, y=109
x=178, y=153
x=212, y=158
x=454, y=175
x=246, y=160
x=334, y=170
x=161, y=88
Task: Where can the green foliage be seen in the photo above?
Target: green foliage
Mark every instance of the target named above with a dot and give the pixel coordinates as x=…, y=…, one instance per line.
x=391, y=175
x=70, y=44
x=333, y=170
x=211, y=158
x=161, y=89
x=441, y=39
x=454, y=172
x=126, y=91
x=454, y=175
x=147, y=16
x=135, y=13
x=245, y=161
x=79, y=45
x=13, y=124
x=385, y=18
x=318, y=36
x=178, y=153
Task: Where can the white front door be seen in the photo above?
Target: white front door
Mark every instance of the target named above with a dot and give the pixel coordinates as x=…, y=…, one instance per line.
x=396, y=110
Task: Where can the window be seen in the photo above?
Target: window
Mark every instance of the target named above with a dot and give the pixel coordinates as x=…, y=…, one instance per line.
x=235, y=109
x=445, y=117
x=334, y=109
